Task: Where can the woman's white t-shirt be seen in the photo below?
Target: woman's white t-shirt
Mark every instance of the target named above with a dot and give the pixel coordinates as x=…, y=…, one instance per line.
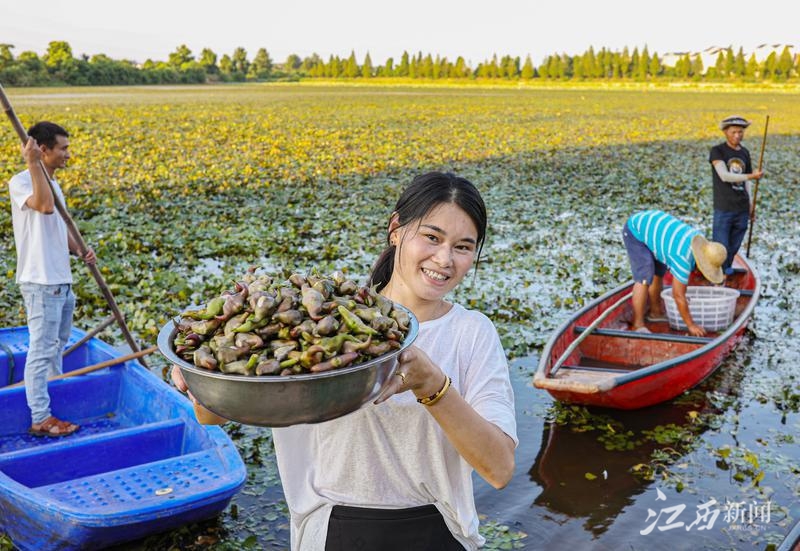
x=394, y=454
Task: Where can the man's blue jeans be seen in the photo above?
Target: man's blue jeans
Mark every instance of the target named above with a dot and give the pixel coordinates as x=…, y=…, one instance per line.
x=49, y=309
x=729, y=229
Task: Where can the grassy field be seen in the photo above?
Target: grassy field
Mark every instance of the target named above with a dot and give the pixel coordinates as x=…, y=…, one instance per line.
x=179, y=189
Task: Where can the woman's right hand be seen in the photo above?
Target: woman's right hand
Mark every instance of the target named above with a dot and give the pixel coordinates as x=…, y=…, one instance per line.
x=204, y=416
x=177, y=379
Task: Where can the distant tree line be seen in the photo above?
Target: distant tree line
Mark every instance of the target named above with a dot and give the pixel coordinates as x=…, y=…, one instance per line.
x=58, y=66
x=728, y=65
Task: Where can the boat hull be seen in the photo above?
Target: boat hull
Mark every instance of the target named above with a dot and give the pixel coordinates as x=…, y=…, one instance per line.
x=614, y=367
x=661, y=385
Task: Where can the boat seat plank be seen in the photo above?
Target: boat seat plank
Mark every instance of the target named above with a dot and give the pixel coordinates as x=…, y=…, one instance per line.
x=20, y=439
x=622, y=333
x=111, y=432
x=595, y=369
x=159, y=484
x=95, y=454
x=742, y=292
x=582, y=377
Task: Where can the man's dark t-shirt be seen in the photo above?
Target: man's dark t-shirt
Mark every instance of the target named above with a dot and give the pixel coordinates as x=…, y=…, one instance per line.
x=730, y=197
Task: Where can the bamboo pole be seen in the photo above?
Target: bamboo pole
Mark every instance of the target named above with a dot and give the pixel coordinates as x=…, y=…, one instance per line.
x=88, y=369
x=755, y=189
x=73, y=231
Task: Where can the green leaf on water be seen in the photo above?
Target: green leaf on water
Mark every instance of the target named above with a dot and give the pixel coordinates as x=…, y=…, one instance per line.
x=724, y=451
x=751, y=458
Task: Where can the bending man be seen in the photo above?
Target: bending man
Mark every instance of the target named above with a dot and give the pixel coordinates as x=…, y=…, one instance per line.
x=657, y=242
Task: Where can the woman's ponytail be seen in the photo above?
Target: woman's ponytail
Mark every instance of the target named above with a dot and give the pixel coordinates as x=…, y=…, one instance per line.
x=383, y=268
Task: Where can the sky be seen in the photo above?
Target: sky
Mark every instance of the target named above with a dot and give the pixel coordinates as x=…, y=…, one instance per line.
x=151, y=29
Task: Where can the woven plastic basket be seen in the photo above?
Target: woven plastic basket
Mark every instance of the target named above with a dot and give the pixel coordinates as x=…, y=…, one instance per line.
x=711, y=307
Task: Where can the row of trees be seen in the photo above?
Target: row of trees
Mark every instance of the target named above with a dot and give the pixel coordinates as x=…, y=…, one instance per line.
x=727, y=66
x=59, y=66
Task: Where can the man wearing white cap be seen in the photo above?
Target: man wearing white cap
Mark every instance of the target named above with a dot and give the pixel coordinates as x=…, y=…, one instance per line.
x=732, y=169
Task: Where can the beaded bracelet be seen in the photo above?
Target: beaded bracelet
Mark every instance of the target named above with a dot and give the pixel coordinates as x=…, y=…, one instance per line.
x=433, y=398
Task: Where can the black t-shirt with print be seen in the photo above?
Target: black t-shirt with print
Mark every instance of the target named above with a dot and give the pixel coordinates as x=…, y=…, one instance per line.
x=730, y=197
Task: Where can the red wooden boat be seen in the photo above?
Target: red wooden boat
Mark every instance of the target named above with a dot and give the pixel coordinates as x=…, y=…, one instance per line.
x=611, y=366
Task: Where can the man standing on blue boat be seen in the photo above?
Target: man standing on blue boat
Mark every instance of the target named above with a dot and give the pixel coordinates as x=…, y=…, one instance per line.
x=43, y=270
x=657, y=242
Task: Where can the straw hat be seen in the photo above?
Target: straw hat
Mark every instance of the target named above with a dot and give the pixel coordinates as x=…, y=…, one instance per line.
x=734, y=120
x=709, y=256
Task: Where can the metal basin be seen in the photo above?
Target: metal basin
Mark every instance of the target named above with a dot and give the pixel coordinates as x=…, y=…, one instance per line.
x=281, y=401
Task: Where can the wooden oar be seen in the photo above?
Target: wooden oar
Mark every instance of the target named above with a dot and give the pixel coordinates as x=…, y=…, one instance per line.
x=72, y=228
x=105, y=323
x=95, y=367
x=755, y=188
x=586, y=332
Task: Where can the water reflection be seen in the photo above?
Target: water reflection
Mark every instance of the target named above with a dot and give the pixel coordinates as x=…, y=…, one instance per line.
x=592, y=461
x=582, y=478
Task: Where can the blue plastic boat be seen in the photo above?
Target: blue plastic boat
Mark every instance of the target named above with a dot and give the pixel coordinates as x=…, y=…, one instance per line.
x=140, y=463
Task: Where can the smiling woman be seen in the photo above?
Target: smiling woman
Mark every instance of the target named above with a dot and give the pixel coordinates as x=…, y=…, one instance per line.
x=397, y=474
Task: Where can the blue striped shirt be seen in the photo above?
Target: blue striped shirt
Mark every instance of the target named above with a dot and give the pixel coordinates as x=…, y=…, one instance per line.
x=669, y=239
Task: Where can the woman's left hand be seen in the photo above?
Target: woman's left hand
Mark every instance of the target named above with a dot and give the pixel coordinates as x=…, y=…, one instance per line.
x=415, y=371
